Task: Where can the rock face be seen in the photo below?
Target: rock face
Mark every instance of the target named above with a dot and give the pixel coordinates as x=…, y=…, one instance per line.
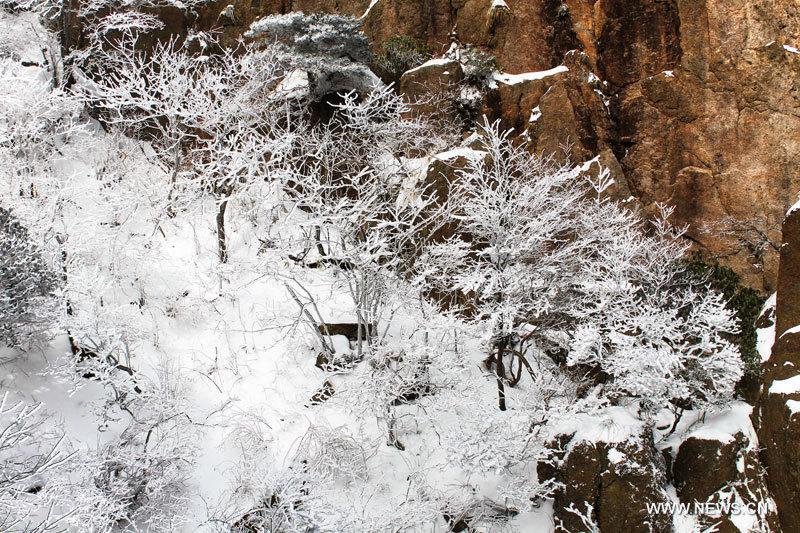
x=777, y=414
x=719, y=471
x=616, y=480
x=432, y=89
x=704, y=100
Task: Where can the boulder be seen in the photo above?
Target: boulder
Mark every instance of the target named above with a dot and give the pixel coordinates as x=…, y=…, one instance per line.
x=724, y=470
x=432, y=90
x=702, y=467
x=615, y=480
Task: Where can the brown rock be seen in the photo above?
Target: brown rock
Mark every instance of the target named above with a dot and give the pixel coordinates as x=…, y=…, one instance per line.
x=702, y=467
x=432, y=90
x=710, y=471
x=778, y=425
x=618, y=481
x=726, y=120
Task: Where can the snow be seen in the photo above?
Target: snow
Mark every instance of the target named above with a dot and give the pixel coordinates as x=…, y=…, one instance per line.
x=499, y=4
x=612, y=425
x=791, y=49
x=536, y=114
x=786, y=386
x=294, y=85
x=791, y=331
x=465, y=152
x=436, y=62
x=724, y=425
x=615, y=456
x=721, y=425
x=513, y=79
x=227, y=338
x=794, y=208
x=794, y=407
x=669, y=74
x=765, y=337
x=372, y=4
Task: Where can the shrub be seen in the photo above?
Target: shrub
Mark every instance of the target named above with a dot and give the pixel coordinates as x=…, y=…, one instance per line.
x=745, y=302
x=399, y=54
x=331, y=49
x=26, y=283
x=478, y=65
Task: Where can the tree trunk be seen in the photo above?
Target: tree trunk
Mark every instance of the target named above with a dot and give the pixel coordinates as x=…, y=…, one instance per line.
x=221, y=239
x=500, y=344
x=73, y=346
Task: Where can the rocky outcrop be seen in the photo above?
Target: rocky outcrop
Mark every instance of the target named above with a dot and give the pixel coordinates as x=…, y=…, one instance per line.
x=432, y=90
x=777, y=414
x=609, y=485
x=704, y=101
x=722, y=471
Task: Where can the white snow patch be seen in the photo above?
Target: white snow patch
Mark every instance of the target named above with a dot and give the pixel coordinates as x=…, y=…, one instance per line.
x=615, y=456
x=612, y=425
x=499, y=4
x=791, y=331
x=721, y=426
x=536, y=114
x=294, y=85
x=463, y=151
x=437, y=62
x=791, y=49
x=794, y=406
x=765, y=337
x=668, y=74
x=794, y=208
x=786, y=386
x=371, y=5
x=586, y=165
x=513, y=79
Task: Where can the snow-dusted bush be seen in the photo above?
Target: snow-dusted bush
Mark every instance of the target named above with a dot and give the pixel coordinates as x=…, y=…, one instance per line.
x=479, y=66
x=27, y=284
x=555, y=270
x=139, y=478
x=217, y=123
x=368, y=216
x=30, y=451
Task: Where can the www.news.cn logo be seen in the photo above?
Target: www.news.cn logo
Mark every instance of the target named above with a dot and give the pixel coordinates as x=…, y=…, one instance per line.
x=709, y=508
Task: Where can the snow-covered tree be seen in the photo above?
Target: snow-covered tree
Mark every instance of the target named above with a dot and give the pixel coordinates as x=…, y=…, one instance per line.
x=216, y=122
x=28, y=284
x=555, y=270
x=369, y=212
x=30, y=451
x=161, y=97
x=330, y=48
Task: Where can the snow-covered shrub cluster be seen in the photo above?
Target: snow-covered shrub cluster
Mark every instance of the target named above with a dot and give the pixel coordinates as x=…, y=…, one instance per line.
x=28, y=284
x=275, y=319
x=551, y=266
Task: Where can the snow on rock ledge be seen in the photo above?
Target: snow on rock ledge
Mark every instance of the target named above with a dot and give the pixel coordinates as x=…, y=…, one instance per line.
x=513, y=79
